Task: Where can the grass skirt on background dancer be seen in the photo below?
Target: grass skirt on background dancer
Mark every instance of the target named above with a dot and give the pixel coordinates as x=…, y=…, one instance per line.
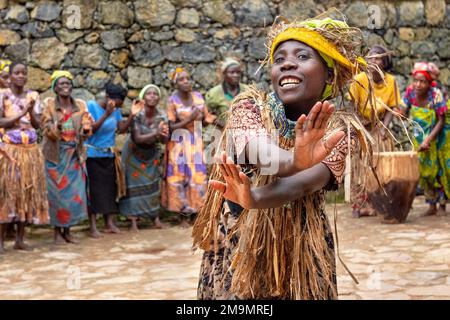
x=23, y=189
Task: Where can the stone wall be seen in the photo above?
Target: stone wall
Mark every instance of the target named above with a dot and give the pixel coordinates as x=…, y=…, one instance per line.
x=137, y=42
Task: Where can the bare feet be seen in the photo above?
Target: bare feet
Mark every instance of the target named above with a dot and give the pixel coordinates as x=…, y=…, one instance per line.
x=69, y=238
x=365, y=212
x=58, y=238
x=158, y=224
x=93, y=233
x=184, y=224
x=441, y=211
x=390, y=221
x=112, y=229
x=134, y=226
x=430, y=212
x=22, y=246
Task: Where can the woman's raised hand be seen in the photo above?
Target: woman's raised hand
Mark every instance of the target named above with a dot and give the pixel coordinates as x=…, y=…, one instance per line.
x=310, y=147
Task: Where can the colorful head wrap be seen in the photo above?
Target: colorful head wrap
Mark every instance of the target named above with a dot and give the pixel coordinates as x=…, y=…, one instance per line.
x=173, y=76
x=4, y=65
x=144, y=90
x=428, y=69
x=56, y=75
x=228, y=62
x=312, y=33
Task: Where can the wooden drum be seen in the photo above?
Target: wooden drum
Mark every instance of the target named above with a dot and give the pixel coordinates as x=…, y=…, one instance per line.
x=398, y=173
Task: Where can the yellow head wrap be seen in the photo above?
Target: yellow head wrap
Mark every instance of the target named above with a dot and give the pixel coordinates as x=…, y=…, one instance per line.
x=59, y=74
x=306, y=32
x=4, y=65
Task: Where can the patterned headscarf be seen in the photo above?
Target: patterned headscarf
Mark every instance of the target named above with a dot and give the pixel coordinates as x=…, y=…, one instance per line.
x=173, y=76
x=228, y=62
x=428, y=69
x=56, y=75
x=4, y=65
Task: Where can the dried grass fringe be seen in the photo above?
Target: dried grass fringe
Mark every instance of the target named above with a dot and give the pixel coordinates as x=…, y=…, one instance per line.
x=23, y=187
x=282, y=252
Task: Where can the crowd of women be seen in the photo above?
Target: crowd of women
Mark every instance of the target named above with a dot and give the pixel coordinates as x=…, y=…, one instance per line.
x=77, y=172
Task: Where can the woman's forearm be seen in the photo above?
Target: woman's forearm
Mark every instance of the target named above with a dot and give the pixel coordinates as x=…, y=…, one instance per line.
x=290, y=188
x=9, y=122
x=96, y=125
x=35, y=120
x=178, y=125
x=148, y=138
x=263, y=153
x=437, y=128
x=123, y=125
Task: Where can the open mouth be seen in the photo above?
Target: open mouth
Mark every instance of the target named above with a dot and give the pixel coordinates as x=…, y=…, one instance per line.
x=289, y=82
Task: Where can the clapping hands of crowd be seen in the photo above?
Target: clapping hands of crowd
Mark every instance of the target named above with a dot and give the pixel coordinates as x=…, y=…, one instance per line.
x=110, y=107
x=163, y=130
x=137, y=106
x=29, y=107
x=196, y=115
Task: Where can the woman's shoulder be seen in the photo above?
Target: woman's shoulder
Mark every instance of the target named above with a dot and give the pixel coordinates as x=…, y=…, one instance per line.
x=31, y=94
x=93, y=105
x=198, y=96
x=214, y=91
x=361, y=77
x=251, y=98
x=81, y=104
x=49, y=104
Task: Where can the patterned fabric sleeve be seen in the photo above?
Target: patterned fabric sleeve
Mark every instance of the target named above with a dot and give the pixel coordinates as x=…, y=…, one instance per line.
x=407, y=96
x=336, y=160
x=439, y=104
x=86, y=119
x=48, y=125
x=245, y=124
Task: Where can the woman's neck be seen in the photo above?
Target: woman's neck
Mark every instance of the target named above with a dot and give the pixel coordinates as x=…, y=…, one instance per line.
x=184, y=95
x=65, y=102
x=150, y=111
x=422, y=96
x=293, y=112
x=376, y=76
x=17, y=90
x=228, y=88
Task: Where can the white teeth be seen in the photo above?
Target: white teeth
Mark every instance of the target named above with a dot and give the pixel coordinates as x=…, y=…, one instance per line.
x=289, y=85
x=289, y=82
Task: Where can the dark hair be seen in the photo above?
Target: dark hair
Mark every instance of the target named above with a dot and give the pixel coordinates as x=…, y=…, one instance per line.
x=115, y=91
x=14, y=64
x=387, y=59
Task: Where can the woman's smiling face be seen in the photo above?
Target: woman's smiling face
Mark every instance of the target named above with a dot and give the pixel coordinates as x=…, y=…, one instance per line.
x=298, y=74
